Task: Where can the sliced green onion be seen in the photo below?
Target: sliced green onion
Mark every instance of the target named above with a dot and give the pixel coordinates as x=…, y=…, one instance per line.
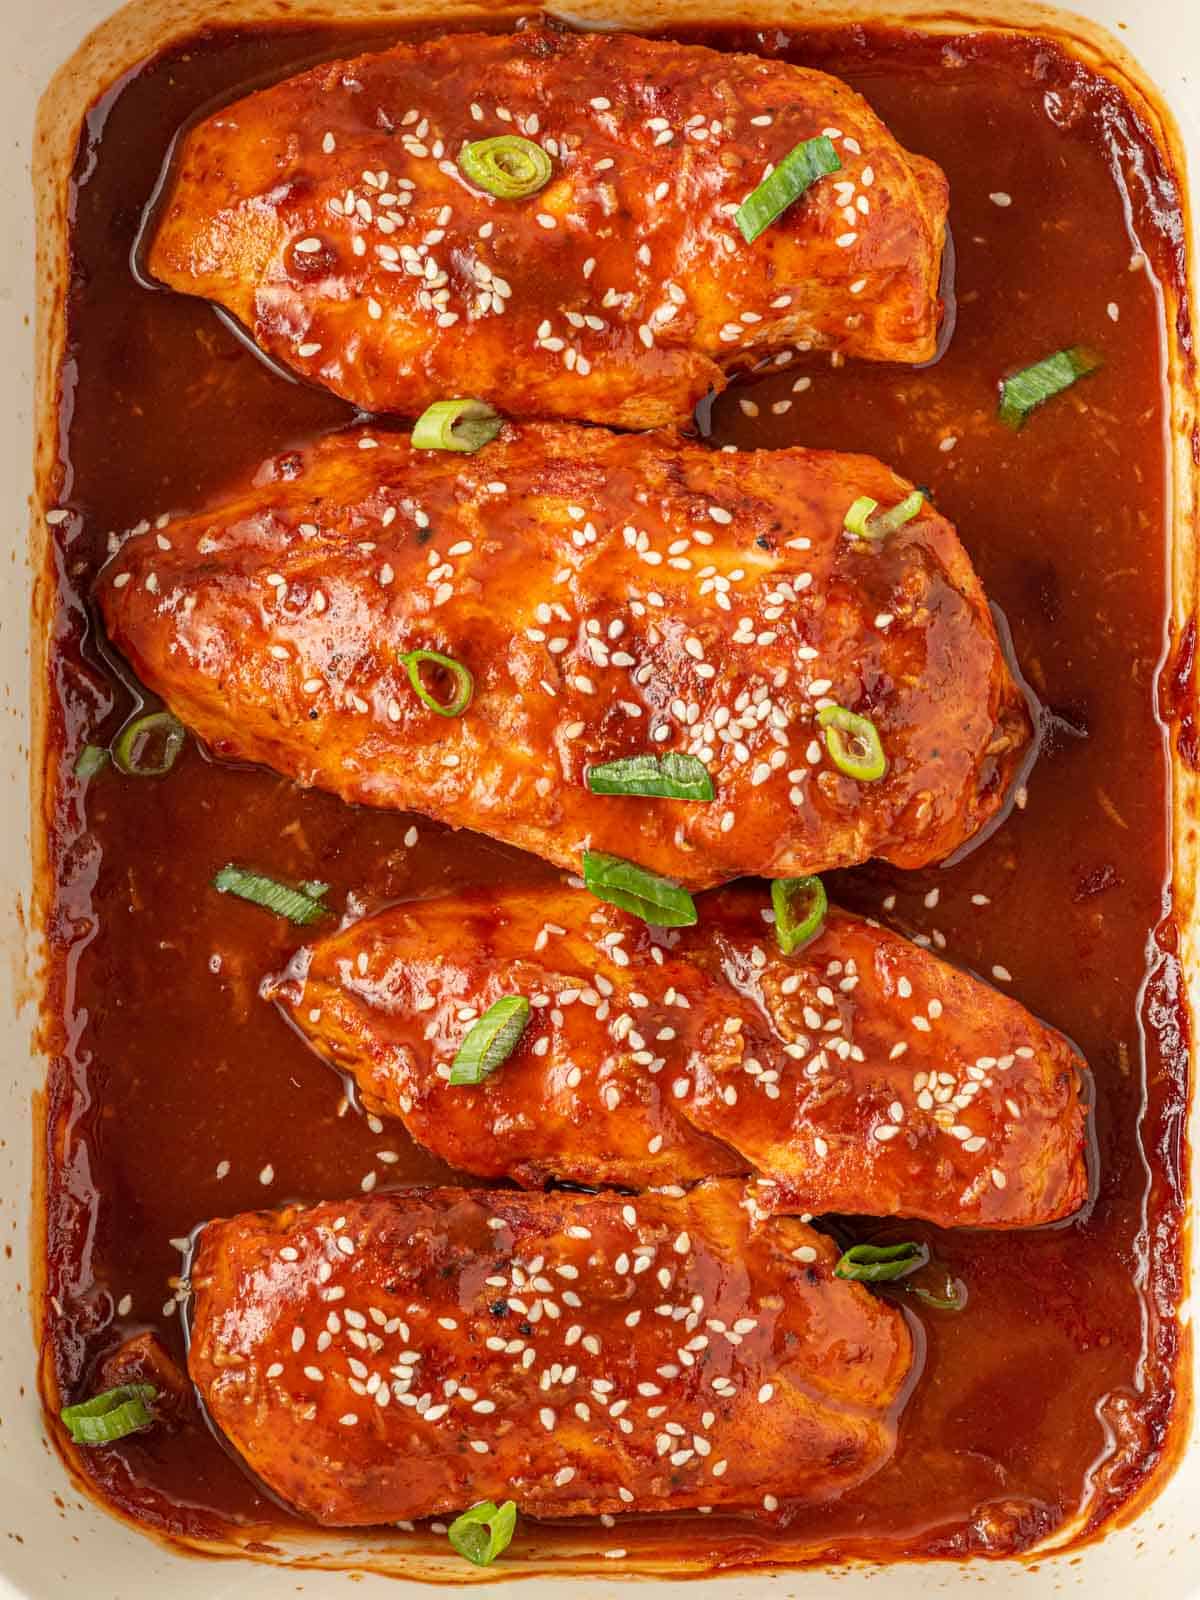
x=956, y=1300
x=800, y=905
x=465, y=425
x=111, y=1415
x=669, y=777
x=1033, y=386
x=798, y=171
x=491, y=1040
x=881, y=1263
x=294, y=904
x=853, y=743
x=133, y=749
x=484, y=1532
x=888, y=1263
x=656, y=900
x=413, y=660
x=90, y=760
x=507, y=166
x=862, y=523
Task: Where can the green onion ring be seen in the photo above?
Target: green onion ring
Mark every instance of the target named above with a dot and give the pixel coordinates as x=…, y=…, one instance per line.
x=491, y=1040
x=484, y=1532
x=889, y=1263
x=1033, y=386
x=654, y=899
x=301, y=906
x=673, y=776
x=127, y=752
x=798, y=171
x=507, y=166
x=956, y=1301
x=881, y=1263
x=862, y=523
x=463, y=425
x=110, y=1416
x=791, y=931
x=412, y=660
x=853, y=743
x=93, y=758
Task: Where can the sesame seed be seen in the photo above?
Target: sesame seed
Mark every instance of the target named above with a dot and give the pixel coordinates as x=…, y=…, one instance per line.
x=999, y=198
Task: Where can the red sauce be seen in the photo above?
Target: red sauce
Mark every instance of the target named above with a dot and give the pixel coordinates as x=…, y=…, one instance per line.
x=177, y=1095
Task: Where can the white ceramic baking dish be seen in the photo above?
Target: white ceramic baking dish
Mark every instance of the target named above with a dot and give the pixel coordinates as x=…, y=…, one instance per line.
x=56, y=1541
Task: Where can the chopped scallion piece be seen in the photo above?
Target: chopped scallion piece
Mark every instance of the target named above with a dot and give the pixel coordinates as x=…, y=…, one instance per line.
x=133, y=751
x=798, y=171
x=506, y=165
x=853, y=743
x=1033, y=386
x=484, y=1532
x=465, y=425
x=669, y=777
x=413, y=660
x=955, y=1300
x=863, y=523
x=888, y=1263
x=881, y=1263
x=90, y=760
x=491, y=1040
x=296, y=905
x=110, y=1416
x=800, y=905
x=656, y=900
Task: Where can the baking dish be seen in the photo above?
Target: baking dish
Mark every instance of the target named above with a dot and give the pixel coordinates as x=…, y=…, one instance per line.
x=135, y=1563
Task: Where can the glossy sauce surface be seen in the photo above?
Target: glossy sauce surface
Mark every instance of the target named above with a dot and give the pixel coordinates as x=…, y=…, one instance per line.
x=178, y=1095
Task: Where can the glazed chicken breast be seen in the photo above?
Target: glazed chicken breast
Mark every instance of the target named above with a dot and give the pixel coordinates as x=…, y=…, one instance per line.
x=417, y=1352
x=599, y=596
x=330, y=214
x=861, y=1074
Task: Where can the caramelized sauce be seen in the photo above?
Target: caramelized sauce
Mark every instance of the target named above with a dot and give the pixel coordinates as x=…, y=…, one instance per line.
x=176, y=1094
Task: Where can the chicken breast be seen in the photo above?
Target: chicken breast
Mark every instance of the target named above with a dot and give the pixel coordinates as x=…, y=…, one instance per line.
x=412, y=1354
x=861, y=1074
x=329, y=213
x=610, y=596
